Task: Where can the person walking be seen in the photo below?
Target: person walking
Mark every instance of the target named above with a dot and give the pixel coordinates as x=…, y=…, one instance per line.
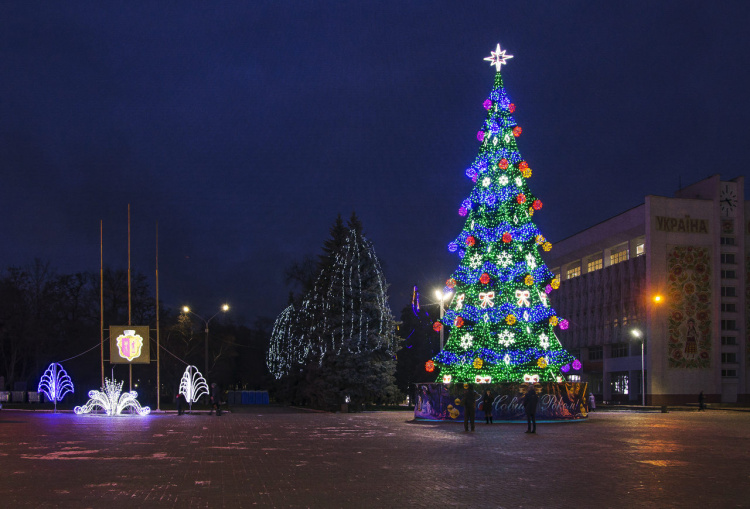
x=470, y=406
x=180, y=400
x=215, y=399
x=529, y=405
x=487, y=406
x=592, y=402
x=701, y=402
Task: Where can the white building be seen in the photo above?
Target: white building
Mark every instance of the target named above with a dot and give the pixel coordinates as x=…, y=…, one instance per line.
x=691, y=252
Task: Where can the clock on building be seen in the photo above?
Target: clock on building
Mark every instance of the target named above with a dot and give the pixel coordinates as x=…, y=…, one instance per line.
x=727, y=199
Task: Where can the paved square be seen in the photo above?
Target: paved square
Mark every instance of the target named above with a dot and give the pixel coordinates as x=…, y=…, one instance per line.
x=273, y=457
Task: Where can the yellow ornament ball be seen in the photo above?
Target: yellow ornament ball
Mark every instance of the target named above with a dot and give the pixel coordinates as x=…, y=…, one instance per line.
x=510, y=319
x=531, y=211
x=457, y=401
x=542, y=363
x=478, y=363
x=454, y=414
x=546, y=246
x=553, y=320
x=449, y=407
x=555, y=283
x=540, y=239
x=529, y=280
x=526, y=172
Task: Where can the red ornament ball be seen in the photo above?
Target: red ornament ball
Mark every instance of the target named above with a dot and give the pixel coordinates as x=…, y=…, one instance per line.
x=503, y=164
x=429, y=366
x=523, y=165
x=459, y=322
x=437, y=326
x=537, y=204
x=521, y=198
x=470, y=241
x=484, y=278
x=517, y=131
x=512, y=107
x=450, y=283
x=507, y=237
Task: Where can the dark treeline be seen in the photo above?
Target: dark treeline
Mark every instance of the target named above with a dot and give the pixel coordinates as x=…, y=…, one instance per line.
x=323, y=359
x=48, y=317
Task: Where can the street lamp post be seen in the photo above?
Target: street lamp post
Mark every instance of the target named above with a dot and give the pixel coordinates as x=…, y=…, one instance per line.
x=638, y=334
x=224, y=309
x=442, y=296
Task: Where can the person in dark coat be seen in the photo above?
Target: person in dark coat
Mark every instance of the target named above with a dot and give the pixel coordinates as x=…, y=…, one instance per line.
x=701, y=402
x=470, y=406
x=530, y=402
x=215, y=399
x=180, y=400
x=487, y=406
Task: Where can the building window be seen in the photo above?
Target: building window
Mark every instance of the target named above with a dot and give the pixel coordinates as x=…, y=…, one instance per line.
x=618, y=257
x=574, y=272
x=729, y=373
x=728, y=291
x=728, y=307
x=727, y=241
x=728, y=274
x=594, y=265
x=574, y=378
x=640, y=250
x=620, y=383
x=728, y=325
x=729, y=358
x=728, y=258
x=619, y=350
x=596, y=353
x=728, y=340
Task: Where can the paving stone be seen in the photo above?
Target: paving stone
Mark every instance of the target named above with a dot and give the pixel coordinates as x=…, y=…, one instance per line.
x=275, y=457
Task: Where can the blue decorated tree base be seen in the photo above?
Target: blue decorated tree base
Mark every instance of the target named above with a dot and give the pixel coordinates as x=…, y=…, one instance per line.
x=565, y=401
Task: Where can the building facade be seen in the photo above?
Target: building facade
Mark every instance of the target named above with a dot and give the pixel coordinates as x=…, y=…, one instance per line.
x=663, y=285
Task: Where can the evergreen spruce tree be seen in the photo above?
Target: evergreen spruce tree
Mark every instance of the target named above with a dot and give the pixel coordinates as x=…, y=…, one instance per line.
x=343, y=334
x=500, y=319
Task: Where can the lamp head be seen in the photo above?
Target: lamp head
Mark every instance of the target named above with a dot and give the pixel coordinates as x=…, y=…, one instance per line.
x=185, y=309
x=225, y=307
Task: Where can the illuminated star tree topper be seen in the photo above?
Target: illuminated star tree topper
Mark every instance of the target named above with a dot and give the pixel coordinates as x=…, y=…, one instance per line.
x=498, y=58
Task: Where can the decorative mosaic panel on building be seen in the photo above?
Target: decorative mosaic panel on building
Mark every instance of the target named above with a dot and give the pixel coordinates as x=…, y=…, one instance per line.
x=689, y=288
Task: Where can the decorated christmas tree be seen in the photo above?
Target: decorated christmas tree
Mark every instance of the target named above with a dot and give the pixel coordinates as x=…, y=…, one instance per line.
x=500, y=320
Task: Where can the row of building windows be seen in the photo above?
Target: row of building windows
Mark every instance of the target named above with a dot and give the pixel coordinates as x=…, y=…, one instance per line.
x=617, y=350
x=598, y=263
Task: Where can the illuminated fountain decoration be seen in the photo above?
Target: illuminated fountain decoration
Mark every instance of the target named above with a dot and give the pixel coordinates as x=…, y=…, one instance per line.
x=193, y=385
x=112, y=400
x=55, y=383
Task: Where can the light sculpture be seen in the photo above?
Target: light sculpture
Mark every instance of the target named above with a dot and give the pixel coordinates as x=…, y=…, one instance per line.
x=193, y=385
x=55, y=383
x=112, y=400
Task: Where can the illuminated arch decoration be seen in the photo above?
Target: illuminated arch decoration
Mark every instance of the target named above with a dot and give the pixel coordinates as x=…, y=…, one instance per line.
x=55, y=383
x=112, y=400
x=193, y=385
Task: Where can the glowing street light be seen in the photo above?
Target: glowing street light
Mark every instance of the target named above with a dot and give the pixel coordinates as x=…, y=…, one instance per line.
x=224, y=309
x=442, y=297
x=638, y=334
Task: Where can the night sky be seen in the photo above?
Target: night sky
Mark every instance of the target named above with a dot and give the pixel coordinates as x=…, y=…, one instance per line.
x=244, y=128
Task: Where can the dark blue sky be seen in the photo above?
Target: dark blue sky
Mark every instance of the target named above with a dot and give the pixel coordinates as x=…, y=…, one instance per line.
x=243, y=128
